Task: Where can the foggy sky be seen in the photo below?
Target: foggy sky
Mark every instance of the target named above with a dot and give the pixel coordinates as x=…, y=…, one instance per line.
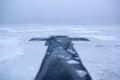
x=59, y=11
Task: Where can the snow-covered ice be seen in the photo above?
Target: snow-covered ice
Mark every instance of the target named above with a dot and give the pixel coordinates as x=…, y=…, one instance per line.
x=21, y=59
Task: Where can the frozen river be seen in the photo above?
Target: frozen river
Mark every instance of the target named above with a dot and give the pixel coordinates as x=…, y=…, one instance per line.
x=21, y=59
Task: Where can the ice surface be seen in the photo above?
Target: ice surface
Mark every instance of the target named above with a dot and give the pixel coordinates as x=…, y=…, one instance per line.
x=21, y=59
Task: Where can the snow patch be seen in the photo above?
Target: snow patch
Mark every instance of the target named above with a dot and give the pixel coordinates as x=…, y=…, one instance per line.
x=72, y=62
x=81, y=73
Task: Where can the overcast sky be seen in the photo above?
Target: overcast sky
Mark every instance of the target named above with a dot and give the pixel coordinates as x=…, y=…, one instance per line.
x=60, y=11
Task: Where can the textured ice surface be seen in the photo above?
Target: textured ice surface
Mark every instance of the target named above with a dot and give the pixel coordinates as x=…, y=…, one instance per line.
x=21, y=59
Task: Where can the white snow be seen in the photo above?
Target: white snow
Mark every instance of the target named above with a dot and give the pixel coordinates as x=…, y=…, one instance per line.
x=21, y=59
x=81, y=73
x=72, y=62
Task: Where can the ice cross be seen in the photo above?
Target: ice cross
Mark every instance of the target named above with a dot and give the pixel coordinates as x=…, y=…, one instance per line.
x=61, y=61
